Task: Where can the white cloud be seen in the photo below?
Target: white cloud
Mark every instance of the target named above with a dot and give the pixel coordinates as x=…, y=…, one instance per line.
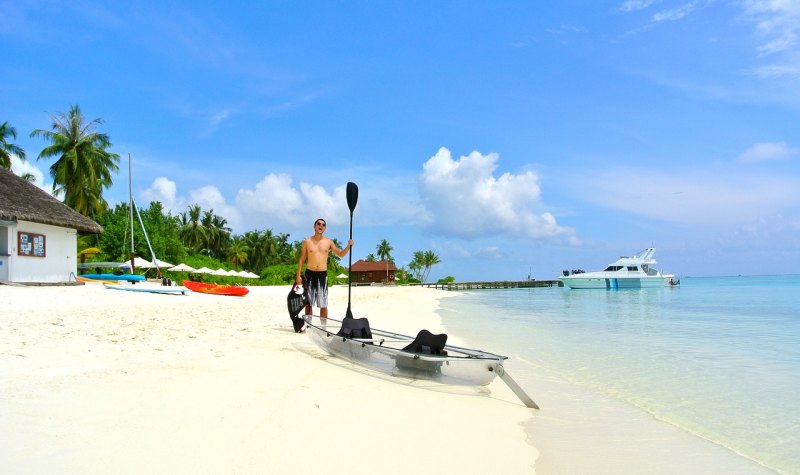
x=634, y=5
x=464, y=199
x=674, y=14
x=768, y=151
x=164, y=190
x=22, y=167
x=777, y=21
x=210, y=198
x=704, y=198
x=276, y=200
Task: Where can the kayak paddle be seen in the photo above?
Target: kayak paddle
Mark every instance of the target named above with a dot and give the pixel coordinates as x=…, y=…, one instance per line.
x=352, y=199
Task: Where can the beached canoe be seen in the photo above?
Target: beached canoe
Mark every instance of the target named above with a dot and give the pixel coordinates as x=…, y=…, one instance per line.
x=216, y=289
x=394, y=354
x=426, y=356
x=149, y=288
x=114, y=277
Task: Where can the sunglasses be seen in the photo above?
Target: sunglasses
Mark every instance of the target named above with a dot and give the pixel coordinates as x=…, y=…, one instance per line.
x=320, y=223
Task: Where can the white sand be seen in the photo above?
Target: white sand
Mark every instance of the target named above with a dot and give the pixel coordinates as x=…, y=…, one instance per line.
x=102, y=381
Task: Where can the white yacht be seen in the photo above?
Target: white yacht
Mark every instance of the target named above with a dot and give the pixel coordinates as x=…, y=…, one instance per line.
x=633, y=272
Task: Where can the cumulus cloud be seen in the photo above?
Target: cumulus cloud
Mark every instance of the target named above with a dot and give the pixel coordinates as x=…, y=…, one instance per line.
x=210, y=198
x=22, y=167
x=762, y=152
x=164, y=190
x=463, y=198
x=275, y=199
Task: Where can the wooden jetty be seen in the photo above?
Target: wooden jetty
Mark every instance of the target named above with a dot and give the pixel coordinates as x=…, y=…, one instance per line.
x=498, y=284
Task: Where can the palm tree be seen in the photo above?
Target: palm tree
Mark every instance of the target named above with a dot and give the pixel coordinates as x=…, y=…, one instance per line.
x=429, y=259
x=193, y=233
x=237, y=252
x=384, y=250
x=84, y=166
x=6, y=148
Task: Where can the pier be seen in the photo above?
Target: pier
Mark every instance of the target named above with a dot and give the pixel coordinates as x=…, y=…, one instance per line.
x=499, y=284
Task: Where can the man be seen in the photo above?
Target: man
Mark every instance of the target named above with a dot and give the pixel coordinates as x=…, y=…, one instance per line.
x=314, y=254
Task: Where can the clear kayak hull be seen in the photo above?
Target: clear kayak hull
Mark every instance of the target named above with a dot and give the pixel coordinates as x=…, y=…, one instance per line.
x=461, y=366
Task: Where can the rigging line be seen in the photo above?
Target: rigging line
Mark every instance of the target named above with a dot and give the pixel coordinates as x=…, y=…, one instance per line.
x=146, y=238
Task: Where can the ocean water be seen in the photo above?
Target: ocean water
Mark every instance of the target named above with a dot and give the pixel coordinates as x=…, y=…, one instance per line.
x=717, y=359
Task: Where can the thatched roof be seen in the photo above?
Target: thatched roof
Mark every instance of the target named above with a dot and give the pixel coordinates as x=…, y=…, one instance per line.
x=20, y=200
x=371, y=266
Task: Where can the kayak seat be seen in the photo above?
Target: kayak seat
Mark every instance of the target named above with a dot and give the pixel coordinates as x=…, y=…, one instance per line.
x=428, y=343
x=355, y=328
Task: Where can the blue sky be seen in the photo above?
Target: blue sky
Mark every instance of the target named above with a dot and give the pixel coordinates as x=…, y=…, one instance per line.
x=511, y=138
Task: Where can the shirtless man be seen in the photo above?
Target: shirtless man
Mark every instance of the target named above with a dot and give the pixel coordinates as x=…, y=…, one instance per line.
x=315, y=251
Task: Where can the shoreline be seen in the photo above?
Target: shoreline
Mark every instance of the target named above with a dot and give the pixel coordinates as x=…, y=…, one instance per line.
x=97, y=381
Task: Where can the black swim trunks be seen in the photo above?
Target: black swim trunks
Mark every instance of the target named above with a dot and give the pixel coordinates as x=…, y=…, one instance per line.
x=317, y=286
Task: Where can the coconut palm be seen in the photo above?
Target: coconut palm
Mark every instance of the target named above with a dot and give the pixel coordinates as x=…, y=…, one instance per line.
x=237, y=251
x=83, y=166
x=429, y=259
x=6, y=148
x=384, y=250
x=193, y=233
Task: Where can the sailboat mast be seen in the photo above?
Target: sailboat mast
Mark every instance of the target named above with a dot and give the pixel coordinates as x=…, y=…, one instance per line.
x=130, y=209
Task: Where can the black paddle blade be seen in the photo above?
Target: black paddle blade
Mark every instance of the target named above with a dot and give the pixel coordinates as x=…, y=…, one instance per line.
x=352, y=196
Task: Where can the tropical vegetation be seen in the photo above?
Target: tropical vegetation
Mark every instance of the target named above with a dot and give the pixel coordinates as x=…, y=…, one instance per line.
x=7, y=148
x=83, y=169
x=83, y=165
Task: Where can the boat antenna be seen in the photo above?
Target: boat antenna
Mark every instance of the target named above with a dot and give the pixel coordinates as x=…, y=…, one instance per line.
x=352, y=199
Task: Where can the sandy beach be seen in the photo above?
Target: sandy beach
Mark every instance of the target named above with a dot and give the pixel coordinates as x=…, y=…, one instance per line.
x=101, y=381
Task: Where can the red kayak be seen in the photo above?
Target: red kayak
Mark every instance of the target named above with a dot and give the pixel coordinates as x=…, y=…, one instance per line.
x=216, y=289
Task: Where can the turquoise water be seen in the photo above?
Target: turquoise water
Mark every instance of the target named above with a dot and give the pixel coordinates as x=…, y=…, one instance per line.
x=716, y=357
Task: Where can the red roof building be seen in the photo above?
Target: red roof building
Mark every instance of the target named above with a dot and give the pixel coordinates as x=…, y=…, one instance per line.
x=367, y=272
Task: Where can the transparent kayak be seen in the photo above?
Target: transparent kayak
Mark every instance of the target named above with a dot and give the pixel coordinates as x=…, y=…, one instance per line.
x=383, y=352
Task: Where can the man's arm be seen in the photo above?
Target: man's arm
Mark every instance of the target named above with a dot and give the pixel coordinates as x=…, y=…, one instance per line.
x=343, y=252
x=303, y=255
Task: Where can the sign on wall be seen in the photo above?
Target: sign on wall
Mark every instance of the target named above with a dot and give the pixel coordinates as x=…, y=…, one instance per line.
x=31, y=244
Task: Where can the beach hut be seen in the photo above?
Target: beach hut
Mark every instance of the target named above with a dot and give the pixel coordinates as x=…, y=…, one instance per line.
x=367, y=272
x=38, y=233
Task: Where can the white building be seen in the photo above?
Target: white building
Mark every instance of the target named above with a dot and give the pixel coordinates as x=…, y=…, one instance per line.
x=38, y=233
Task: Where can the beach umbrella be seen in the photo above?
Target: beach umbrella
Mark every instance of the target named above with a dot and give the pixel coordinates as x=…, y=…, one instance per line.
x=202, y=270
x=341, y=276
x=243, y=273
x=251, y=275
x=139, y=263
x=163, y=264
x=181, y=268
x=232, y=273
x=219, y=271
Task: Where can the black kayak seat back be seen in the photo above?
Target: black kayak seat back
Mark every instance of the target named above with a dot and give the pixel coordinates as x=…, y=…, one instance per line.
x=427, y=343
x=355, y=328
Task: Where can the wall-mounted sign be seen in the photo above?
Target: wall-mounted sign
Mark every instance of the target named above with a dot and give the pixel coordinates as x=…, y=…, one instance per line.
x=31, y=244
